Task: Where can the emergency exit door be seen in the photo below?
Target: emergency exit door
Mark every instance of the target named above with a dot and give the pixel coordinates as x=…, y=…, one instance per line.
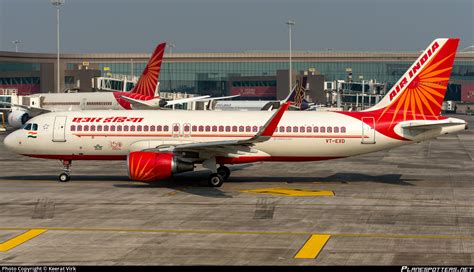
x=59, y=129
x=368, y=130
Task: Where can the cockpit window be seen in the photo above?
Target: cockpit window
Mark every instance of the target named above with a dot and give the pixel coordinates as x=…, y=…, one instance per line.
x=31, y=126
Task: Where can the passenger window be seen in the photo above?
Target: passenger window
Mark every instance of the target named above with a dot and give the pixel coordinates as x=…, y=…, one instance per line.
x=288, y=129
x=301, y=129
x=73, y=128
x=282, y=129
x=139, y=128
x=125, y=128
x=132, y=128
x=166, y=128
x=106, y=128
x=186, y=128
x=119, y=128
x=194, y=128
x=255, y=129
x=35, y=127
x=214, y=128
x=201, y=128
x=86, y=128
x=343, y=129
x=221, y=128
x=241, y=129
x=158, y=128
x=329, y=130
x=234, y=128
x=92, y=128
x=227, y=128
x=308, y=129
x=145, y=128
x=112, y=128
x=248, y=129
x=295, y=129
x=79, y=128
x=208, y=128
x=315, y=129
x=322, y=129
x=336, y=129
x=99, y=128
x=152, y=128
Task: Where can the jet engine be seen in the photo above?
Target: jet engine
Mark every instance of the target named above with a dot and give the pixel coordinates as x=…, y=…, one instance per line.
x=18, y=118
x=153, y=166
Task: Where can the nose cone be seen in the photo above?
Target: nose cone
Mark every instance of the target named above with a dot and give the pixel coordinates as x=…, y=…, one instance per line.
x=11, y=141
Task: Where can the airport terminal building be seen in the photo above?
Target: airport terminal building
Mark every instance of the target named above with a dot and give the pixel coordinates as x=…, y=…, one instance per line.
x=253, y=74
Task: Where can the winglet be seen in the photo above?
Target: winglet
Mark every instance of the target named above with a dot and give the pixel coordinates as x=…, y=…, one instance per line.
x=272, y=123
x=266, y=132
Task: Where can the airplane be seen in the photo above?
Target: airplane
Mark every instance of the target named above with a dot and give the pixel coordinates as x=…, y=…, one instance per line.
x=142, y=96
x=296, y=96
x=159, y=144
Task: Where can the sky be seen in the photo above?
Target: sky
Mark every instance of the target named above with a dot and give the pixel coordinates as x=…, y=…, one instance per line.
x=89, y=26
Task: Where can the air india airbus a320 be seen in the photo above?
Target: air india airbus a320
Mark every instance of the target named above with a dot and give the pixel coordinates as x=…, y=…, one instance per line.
x=158, y=144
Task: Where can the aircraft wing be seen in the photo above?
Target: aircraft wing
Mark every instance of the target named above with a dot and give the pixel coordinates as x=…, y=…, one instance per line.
x=34, y=110
x=218, y=98
x=430, y=124
x=234, y=148
x=185, y=100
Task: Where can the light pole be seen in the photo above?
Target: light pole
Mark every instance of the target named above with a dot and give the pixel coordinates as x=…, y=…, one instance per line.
x=170, y=47
x=16, y=43
x=290, y=23
x=57, y=4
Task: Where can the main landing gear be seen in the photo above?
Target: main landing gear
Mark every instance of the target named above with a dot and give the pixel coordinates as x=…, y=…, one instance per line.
x=217, y=179
x=65, y=176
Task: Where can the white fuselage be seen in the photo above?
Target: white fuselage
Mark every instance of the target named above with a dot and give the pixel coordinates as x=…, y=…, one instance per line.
x=58, y=135
x=75, y=101
x=242, y=105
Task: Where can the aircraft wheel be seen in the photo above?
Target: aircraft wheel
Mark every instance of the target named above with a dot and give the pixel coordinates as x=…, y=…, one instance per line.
x=64, y=177
x=215, y=180
x=224, y=172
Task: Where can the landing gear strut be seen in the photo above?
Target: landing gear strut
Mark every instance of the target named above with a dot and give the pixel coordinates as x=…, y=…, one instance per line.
x=65, y=176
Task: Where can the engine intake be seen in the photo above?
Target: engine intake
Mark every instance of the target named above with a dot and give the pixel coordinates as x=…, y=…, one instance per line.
x=153, y=166
x=18, y=118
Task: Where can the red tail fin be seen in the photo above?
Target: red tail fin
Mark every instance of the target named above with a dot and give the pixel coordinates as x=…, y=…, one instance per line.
x=420, y=92
x=146, y=85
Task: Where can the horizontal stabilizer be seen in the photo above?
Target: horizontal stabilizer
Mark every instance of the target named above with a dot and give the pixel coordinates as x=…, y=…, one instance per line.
x=431, y=124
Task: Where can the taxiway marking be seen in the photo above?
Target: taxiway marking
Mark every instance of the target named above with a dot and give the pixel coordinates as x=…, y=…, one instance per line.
x=313, y=246
x=289, y=192
x=20, y=239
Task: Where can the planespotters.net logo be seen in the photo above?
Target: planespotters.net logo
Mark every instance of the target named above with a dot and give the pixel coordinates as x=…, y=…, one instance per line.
x=437, y=268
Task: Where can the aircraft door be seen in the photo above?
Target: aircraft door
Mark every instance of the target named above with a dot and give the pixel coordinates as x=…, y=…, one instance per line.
x=368, y=131
x=175, y=130
x=59, y=129
x=83, y=103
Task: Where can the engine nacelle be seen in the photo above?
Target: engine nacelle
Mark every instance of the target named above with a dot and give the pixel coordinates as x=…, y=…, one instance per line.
x=18, y=118
x=153, y=166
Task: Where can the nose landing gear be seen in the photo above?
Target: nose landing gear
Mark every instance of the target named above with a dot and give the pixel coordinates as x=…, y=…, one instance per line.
x=65, y=176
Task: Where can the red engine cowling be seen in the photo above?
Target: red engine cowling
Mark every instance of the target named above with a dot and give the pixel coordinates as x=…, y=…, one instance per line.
x=153, y=166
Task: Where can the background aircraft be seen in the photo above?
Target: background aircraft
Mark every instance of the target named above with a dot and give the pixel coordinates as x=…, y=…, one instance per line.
x=158, y=144
x=142, y=96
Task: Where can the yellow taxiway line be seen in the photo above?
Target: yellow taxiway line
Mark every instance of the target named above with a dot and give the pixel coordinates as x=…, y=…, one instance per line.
x=20, y=239
x=313, y=246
